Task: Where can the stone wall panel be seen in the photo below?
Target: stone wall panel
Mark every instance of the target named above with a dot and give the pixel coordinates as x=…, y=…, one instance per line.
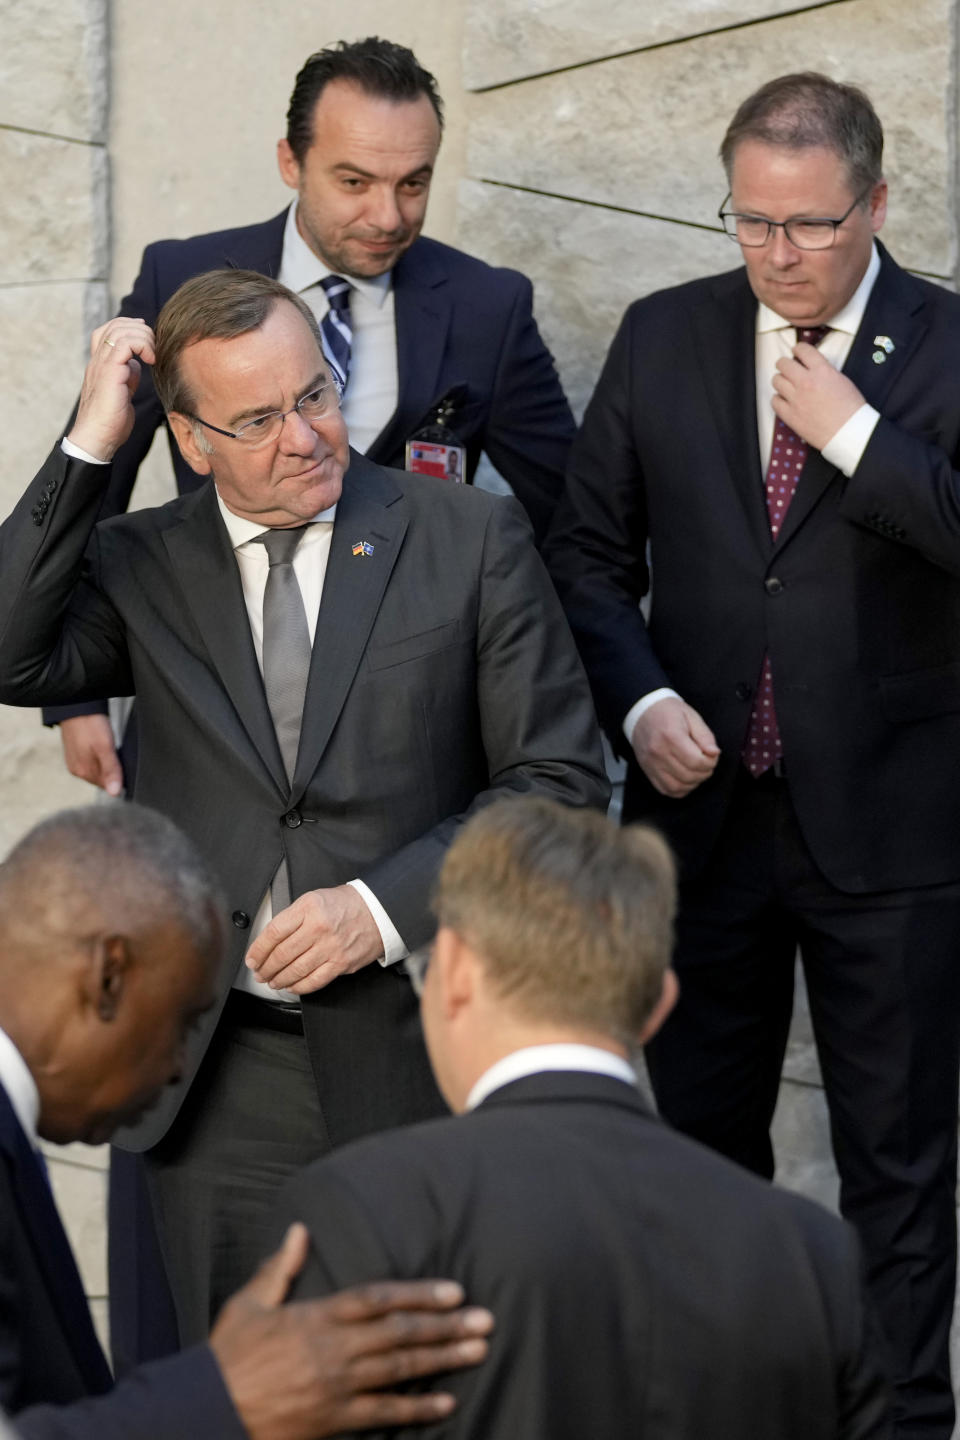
x=586, y=263
x=509, y=39
x=53, y=67
x=55, y=212
x=643, y=131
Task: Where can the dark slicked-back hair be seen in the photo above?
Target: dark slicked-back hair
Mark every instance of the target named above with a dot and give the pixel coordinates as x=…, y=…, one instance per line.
x=122, y=856
x=571, y=916
x=808, y=109
x=375, y=66
x=218, y=305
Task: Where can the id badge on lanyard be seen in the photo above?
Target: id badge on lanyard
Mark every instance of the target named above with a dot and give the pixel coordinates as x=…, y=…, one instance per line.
x=436, y=449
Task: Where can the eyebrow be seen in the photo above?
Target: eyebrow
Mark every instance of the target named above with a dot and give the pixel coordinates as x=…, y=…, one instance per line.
x=345, y=168
x=255, y=411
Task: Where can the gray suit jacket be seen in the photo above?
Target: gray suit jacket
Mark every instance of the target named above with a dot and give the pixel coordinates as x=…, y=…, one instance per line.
x=443, y=675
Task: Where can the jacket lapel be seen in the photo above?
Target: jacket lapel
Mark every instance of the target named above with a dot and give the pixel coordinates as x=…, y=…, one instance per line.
x=893, y=310
x=422, y=307
x=52, y=1252
x=206, y=569
x=353, y=590
x=257, y=247
x=726, y=349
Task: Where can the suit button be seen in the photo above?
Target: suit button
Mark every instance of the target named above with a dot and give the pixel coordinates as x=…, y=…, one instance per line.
x=773, y=586
x=293, y=818
x=241, y=919
x=743, y=690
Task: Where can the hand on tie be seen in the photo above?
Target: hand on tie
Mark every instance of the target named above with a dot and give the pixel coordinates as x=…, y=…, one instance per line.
x=812, y=397
x=323, y=934
x=675, y=747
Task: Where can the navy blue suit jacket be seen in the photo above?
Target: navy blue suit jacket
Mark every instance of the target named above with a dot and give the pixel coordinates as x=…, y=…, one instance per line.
x=53, y=1374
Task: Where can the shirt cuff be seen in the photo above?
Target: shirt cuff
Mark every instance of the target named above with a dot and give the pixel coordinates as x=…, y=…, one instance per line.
x=643, y=705
x=393, y=946
x=845, y=449
x=75, y=453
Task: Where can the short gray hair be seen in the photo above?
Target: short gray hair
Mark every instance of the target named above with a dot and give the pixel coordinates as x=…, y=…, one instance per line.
x=127, y=854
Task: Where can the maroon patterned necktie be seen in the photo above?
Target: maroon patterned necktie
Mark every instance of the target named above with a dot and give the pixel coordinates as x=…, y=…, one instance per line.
x=762, y=747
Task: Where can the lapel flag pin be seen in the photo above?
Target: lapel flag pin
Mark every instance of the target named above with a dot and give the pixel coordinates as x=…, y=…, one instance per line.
x=363, y=547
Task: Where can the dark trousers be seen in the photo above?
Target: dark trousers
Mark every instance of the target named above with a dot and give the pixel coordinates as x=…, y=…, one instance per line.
x=143, y=1322
x=251, y=1119
x=883, y=976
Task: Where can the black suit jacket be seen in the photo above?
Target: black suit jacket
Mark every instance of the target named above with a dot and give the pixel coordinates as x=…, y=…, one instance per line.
x=857, y=601
x=443, y=675
x=52, y=1370
x=641, y=1286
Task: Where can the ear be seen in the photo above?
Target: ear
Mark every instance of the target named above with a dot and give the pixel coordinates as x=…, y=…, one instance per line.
x=878, y=205
x=107, y=976
x=288, y=165
x=183, y=431
x=669, y=994
x=455, y=977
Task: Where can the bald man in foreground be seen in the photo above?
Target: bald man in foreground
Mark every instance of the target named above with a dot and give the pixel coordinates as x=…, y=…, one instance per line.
x=110, y=938
x=643, y=1286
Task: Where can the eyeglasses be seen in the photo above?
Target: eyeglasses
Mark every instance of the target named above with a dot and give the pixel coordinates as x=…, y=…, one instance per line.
x=806, y=234
x=264, y=428
x=416, y=967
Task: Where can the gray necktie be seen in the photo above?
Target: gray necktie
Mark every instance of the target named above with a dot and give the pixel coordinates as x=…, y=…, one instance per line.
x=286, y=661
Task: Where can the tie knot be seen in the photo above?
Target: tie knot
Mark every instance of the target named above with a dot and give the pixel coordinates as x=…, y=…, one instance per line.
x=337, y=291
x=281, y=545
x=812, y=334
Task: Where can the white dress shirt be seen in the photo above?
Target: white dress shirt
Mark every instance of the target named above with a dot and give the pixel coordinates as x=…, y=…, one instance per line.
x=20, y=1087
x=538, y=1059
x=310, y=568
x=776, y=338
x=373, y=388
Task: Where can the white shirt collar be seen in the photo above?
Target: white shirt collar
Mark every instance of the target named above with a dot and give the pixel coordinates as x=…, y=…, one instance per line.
x=301, y=268
x=241, y=530
x=20, y=1086
x=536, y=1059
x=848, y=319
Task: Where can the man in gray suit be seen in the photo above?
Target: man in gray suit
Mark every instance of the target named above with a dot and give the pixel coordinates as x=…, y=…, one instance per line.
x=321, y=751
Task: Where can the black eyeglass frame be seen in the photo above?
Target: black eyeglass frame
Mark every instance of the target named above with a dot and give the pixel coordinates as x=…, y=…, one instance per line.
x=723, y=215
x=333, y=384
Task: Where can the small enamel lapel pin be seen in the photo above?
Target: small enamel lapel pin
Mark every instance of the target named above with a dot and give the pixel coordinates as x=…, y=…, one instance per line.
x=363, y=547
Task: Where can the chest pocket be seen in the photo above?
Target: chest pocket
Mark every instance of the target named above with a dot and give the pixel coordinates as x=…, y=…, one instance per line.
x=413, y=647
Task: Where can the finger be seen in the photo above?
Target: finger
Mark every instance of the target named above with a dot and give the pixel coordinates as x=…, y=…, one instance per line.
x=273, y=1279
x=110, y=772
x=380, y=1297
x=318, y=980
x=280, y=929
x=378, y=1372
x=387, y=1412
x=702, y=735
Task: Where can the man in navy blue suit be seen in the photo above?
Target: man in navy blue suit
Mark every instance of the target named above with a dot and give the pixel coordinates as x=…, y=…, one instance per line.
x=99, y=986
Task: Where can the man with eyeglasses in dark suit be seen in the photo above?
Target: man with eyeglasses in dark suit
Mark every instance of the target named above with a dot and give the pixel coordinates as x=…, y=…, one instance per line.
x=786, y=437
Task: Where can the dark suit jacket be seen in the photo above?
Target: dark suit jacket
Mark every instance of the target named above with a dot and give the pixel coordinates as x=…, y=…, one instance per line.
x=641, y=1286
x=49, y=1354
x=857, y=601
x=443, y=675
